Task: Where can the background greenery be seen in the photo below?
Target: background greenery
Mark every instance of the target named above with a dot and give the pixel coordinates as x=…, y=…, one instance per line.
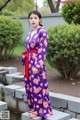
x=11, y=34
x=71, y=12
x=64, y=49
x=17, y=7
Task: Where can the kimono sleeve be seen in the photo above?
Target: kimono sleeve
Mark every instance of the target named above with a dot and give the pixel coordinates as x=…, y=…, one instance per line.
x=24, y=56
x=23, y=59
x=42, y=48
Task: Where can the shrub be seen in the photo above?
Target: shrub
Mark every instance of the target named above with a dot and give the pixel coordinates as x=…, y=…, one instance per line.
x=71, y=12
x=64, y=49
x=7, y=13
x=11, y=34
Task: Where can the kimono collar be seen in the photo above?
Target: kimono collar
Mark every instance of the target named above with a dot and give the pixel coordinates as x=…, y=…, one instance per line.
x=37, y=30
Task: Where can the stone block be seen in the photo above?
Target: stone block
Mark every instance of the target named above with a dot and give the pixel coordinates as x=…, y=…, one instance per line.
x=25, y=116
x=19, y=93
x=78, y=116
x=73, y=119
x=22, y=106
x=57, y=115
x=2, y=68
x=3, y=105
x=25, y=98
x=18, y=77
x=74, y=104
x=11, y=69
x=10, y=89
x=11, y=102
x=11, y=78
x=58, y=100
x=72, y=114
x=65, y=101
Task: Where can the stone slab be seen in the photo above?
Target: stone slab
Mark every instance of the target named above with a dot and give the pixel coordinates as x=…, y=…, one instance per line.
x=22, y=106
x=3, y=105
x=1, y=86
x=11, y=78
x=10, y=89
x=2, y=68
x=25, y=116
x=11, y=102
x=25, y=98
x=19, y=76
x=57, y=115
x=11, y=69
x=63, y=101
x=74, y=105
x=58, y=100
x=78, y=116
x=72, y=114
x=19, y=93
x=73, y=119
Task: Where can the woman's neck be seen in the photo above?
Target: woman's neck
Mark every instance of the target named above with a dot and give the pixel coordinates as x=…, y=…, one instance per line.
x=36, y=28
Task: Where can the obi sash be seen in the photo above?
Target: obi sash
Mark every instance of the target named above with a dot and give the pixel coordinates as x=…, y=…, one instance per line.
x=27, y=61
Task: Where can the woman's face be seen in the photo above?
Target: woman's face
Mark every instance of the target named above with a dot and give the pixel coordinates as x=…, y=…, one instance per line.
x=34, y=20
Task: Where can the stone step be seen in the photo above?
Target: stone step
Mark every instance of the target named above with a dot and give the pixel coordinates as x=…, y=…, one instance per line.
x=65, y=101
x=10, y=89
x=57, y=115
x=3, y=105
x=20, y=93
x=73, y=119
x=3, y=72
x=2, y=68
x=14, y=77
x=19, y=77
x=9, y=69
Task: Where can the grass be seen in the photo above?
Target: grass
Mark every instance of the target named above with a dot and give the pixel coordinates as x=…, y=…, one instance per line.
x=20, y=48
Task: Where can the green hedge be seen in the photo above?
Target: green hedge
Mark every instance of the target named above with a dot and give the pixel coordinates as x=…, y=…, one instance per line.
x=71, y=12
x=11, y=34
x=64, y=49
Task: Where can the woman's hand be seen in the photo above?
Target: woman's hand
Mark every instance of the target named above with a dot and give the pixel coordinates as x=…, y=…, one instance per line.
x=23, y=56
x=35, y=70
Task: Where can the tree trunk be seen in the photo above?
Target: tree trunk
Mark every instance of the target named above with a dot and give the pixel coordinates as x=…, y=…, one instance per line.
x=51, y=5
x=57, y=6
x=1, y=8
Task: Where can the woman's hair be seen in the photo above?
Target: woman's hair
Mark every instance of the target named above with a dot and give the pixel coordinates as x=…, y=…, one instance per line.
x=36, y=13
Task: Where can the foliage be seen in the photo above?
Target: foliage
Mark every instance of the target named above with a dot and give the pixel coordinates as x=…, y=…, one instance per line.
x=19, y=7
x=45, y=3
x=7, y=13
x=11, y=34
x=71, y=11
x=64, y=49
x=45, y=9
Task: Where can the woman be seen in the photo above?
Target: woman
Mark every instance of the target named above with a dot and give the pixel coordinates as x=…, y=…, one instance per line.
x=35, y=76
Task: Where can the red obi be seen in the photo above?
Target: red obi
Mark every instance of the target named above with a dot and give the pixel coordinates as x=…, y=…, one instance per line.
x=27, y=61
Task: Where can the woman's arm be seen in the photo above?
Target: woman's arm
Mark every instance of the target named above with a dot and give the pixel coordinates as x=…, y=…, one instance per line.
x=41, y=55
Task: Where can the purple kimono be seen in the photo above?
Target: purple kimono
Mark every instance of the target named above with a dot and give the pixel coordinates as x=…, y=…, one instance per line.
x=36, y=85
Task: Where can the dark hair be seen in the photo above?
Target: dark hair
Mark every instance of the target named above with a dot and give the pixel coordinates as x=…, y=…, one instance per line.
x=36, y=13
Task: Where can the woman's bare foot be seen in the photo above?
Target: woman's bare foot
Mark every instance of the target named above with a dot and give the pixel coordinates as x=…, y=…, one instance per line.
x=31, y=111
x=34, y=114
